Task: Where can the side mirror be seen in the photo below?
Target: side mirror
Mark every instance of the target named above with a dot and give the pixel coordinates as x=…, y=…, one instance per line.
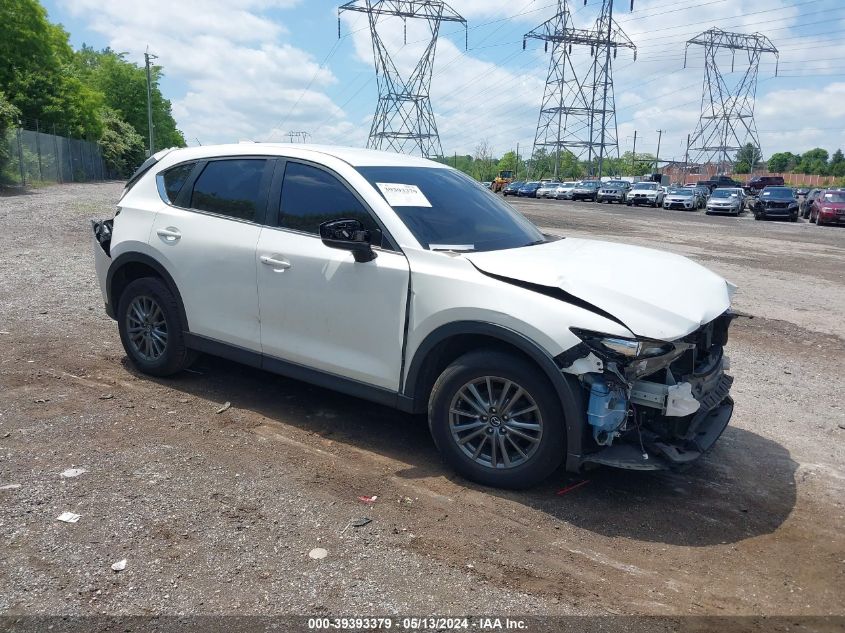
x=348, y=235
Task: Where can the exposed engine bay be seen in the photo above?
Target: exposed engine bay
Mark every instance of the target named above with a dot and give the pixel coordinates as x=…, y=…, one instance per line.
x=653, y=405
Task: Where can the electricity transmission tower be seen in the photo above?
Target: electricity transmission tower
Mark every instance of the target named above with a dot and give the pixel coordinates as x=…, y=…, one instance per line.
x=404, y=120
x=578, y=115
x=727, y=109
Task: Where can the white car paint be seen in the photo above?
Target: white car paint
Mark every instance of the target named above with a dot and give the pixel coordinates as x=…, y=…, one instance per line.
x=655, y=294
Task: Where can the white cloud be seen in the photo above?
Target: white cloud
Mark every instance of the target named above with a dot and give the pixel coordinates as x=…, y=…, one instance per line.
x=241, y=80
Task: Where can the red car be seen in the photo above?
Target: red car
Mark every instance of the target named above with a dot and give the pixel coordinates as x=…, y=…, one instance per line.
x=828, y=207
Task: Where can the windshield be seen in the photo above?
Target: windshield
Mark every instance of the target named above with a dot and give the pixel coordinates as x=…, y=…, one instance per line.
x=834, y=196
x=443, y=209
x=645, y=185
x=783, y=193
x=680, y=191
x=723, y=193
x=588, y=184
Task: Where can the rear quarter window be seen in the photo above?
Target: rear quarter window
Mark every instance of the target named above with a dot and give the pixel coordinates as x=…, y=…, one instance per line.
x=171, y=181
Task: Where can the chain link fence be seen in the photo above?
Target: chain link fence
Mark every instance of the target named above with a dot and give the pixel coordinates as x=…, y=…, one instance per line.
x=33, y=157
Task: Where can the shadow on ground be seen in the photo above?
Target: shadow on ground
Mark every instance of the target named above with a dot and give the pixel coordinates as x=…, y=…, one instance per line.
x=744, y=488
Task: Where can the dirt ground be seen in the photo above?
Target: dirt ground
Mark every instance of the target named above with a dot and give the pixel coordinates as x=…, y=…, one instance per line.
x=217, y=512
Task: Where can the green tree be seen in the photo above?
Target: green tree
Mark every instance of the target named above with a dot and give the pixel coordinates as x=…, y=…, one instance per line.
x=837, y=163
x=747, y=159
x=37, y=71
x=783, y=162
x=124, y=86
x=122, y=147
x=814, y=161
x=8, y=119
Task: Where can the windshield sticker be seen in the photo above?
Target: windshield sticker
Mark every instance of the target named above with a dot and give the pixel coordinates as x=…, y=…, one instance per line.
x=398, y=195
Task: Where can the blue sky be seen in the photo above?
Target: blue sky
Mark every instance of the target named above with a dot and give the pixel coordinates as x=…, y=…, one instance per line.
x=256, y=69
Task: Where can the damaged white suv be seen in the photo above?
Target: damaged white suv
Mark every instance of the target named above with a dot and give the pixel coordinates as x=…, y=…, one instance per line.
x=402, y=281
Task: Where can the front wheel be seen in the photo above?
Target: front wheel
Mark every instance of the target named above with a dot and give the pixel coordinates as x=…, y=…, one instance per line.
x=496, y=420
x=151, y=328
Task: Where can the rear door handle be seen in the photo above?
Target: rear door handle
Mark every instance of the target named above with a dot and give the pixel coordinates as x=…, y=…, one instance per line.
x=269, y=260
x=170, y=234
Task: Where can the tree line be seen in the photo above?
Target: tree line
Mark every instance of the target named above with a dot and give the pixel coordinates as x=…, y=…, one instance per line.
x=483, y=166
x=95, y=95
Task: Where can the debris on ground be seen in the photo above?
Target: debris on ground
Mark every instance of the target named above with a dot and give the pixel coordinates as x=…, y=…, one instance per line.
x=366, y=499
x=318, y=553
x=68, y=517
x=572, y=487
x=10, y=487
x=119, y=565
x=72, y=472
x=361, y=522
x=107, y=396
x=41, y=400
x=224, y=407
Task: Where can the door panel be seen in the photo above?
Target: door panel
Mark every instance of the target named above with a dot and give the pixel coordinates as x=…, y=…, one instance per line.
x=321, y=309
x=212, y=262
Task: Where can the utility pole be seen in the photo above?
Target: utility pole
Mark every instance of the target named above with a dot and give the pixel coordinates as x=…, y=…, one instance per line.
x=634, y=156
x=404, y=119
x=147, y=57
x=657, y=157
x=516, y=172
x=686, y=160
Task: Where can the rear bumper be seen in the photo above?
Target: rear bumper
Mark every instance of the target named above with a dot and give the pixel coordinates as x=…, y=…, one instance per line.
x=101, y=244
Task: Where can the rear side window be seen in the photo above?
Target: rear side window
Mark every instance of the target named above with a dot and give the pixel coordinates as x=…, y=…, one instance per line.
x=230, y=187
x=311, y=196
x=174, y=179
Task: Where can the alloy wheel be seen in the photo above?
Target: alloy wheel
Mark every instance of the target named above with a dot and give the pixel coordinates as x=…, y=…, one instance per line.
x=147, y=328
x=495, y=422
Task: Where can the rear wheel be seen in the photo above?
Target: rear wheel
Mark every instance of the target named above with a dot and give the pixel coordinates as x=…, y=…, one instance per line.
x=496, y=420
x=151, y=329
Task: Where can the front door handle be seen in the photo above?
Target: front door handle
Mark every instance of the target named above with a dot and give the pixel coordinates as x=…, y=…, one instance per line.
x=170, y=234
x=269, y=260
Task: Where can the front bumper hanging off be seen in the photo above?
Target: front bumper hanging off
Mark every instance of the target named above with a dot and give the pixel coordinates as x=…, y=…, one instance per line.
x=667, y=418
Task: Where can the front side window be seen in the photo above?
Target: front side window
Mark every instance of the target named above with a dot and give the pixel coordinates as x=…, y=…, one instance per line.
x=444, y=210
x=230, y=187
x=311, y=196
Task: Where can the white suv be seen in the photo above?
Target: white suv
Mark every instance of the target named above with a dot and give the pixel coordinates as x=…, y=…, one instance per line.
x=403, y=281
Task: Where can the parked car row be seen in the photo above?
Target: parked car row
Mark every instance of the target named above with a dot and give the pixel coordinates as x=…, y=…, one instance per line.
x=762, y=195
x=824, y=206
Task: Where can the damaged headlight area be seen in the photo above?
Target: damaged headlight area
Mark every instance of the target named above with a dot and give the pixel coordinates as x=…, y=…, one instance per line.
x=654, y=404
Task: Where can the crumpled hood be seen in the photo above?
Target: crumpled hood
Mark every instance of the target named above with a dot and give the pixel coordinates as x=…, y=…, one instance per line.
x=655, y=294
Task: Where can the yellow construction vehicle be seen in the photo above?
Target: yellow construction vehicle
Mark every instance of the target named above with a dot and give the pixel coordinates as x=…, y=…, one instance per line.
x=503, y=179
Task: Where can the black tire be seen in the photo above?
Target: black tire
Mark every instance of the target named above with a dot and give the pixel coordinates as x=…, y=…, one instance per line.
x=549, y=450
x=175, y=356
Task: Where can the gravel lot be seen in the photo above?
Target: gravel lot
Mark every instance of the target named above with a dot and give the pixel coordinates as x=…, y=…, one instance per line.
x=216, y=512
